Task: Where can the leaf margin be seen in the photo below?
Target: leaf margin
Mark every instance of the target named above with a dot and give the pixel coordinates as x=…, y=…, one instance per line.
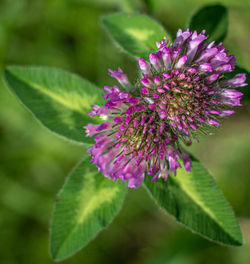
x=54, y=208
x=88, y=141
x=165, y=211
x=119, y=46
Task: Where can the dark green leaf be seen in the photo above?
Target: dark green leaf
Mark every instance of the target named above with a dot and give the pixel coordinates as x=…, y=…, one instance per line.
x=214, y=19
x=58, y=99
x=195, y=201
x=87, y=203
x=135, y=34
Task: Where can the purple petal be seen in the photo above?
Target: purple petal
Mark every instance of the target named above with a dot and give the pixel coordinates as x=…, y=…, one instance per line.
x=237, y=81
x=227, y=112
x=213, y=122
x=206, y=55
x=213, y=77
x=205, y=67
x=181, y=62
x=194, y=44
x=166, y=57
x=121, y=77
x=144, y=66
x=224, y=68
x=155, y=61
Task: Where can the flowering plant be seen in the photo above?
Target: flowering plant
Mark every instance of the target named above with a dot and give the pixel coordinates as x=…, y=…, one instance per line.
x=181, y=91
x=185, y=88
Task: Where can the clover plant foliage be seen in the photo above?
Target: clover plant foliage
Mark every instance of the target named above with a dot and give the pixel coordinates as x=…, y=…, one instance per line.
x=138, y=133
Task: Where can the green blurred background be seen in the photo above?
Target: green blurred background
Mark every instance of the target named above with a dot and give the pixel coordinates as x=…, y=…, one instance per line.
x=33, y=163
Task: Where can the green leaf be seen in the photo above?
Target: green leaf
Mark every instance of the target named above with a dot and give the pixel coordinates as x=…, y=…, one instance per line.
x=214, y=19
x=195, y=201
x=136, y=34
x=58, y=99
x=87, y=203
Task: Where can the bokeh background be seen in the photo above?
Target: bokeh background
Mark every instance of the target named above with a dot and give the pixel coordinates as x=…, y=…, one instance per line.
x=33, y=163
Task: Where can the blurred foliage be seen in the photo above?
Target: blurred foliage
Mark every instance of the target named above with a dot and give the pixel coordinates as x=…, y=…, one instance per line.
x=68, y=34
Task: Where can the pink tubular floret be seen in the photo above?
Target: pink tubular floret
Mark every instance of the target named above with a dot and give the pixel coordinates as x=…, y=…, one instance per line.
x=181, y=91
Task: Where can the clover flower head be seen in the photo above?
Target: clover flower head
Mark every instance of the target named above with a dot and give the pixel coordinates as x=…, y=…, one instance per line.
x=182, y=92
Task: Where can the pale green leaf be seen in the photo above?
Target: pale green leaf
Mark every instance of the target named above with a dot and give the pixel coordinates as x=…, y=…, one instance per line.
x=87, y=203
x=195, y=201
x=134, y=33
x=57, y=98
x=212, y=18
